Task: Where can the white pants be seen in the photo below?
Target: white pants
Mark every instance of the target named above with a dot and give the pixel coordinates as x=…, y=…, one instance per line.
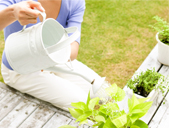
x=60, y=89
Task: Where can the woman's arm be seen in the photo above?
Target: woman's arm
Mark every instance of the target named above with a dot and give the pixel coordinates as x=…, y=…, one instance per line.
x=23, y=12
x=6, y=17
x=74, y=50
x=75, y=19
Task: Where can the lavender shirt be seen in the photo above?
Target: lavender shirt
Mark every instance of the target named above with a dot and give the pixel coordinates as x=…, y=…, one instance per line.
x=71, y=14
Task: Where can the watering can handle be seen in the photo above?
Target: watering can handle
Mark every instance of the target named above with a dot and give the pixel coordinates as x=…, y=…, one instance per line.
x=67, y=41
x=43, y=15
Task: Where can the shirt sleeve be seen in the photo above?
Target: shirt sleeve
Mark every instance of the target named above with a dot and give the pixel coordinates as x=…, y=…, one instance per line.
x=6, y=3
x=77, y=8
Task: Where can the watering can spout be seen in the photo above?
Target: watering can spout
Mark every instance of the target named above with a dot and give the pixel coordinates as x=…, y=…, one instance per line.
x=97, y=84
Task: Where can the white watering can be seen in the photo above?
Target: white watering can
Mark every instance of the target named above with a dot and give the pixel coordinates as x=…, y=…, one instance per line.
x=43, y=46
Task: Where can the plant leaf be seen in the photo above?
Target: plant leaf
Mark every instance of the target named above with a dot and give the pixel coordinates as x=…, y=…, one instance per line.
x=109, y=124
x=80, y=105
x=115, y=92
x=109, y=108
x=132, y=103
x=120, y=94
x=99, y=124
x=120, y=121
x=84, y=122
x=88, y=99
x=93, y=102
x=135, y=111
x=141, y=100
x=144, y=107
x=112, y=90
x=99, y=118
x=134, y=126
x=113, y=106
x=129, y=104
x=84, y=116
x=104, y=109
x=134, y=117
x=140, y=124
x=75, y=112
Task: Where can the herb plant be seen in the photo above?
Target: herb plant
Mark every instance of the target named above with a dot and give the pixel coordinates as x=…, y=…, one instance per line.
x=109, y=114
x=162, y=27
x=144, y=82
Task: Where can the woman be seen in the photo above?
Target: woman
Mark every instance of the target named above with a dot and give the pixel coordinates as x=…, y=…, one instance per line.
x=57, y=88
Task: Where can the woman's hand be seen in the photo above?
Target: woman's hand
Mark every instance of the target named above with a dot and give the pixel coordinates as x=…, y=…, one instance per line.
x=24, y=13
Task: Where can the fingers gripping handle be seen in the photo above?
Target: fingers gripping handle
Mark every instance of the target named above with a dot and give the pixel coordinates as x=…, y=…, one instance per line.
x=43, y=15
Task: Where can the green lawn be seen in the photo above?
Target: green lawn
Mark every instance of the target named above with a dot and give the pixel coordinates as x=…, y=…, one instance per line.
x=116, y=36
x=1, y=49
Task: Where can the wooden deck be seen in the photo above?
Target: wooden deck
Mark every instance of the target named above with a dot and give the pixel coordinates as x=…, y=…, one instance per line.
x=19, y=110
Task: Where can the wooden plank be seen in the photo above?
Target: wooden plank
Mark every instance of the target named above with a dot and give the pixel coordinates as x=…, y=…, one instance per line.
x=161, y=118
x=56, y=121
x=2, y=93
x=164, y=121
x=2, y=85
x=34, y=101
x=18, y=114
x=23, y=95
x=165, y=71
x=59, y=110
x=8, y=103
x=38, y=118
x=159, y=112
x=6, y=87
x=152, y=109
x=73, y=123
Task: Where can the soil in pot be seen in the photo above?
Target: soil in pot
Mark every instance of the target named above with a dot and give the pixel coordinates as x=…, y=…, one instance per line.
x=164, y=40
x=141, y=91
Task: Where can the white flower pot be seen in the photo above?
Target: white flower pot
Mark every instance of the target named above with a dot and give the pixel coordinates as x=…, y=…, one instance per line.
x=152, y=95
x=163, y=52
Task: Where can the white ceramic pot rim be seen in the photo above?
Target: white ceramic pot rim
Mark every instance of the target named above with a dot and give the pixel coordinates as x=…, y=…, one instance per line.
x=158, y=40
x=152, y=95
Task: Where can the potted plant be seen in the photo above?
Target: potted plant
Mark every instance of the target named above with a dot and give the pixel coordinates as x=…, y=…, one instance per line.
x=108, y=114
x=147, y=84
x=162, y=37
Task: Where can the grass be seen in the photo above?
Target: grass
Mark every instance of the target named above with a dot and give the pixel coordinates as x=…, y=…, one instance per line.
x=116, y=37
x=1, y=50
